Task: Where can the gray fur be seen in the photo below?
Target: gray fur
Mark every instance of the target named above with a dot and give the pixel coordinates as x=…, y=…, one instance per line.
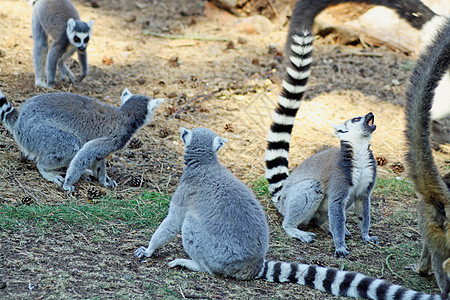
x=225, y=232
x=328, y=183
x=68, y=130
x=58, y=19
x=237, y=237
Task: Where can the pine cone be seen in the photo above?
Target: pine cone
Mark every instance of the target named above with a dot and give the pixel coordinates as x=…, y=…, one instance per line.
x=93, y=193
x=27, y=200
x=164, y=132
x=135, y=181
x=135, y=143
x=229, y=127
x=317, y=263
x=397, y=167
x=381, y=161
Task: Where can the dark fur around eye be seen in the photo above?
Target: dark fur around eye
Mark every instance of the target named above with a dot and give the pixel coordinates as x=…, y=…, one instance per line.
x=76, y=39
x=86, y=40
x=356, y=119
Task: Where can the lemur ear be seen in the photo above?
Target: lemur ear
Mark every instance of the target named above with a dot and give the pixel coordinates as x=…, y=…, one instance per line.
x=71, y=24
x=186, y=136
x=339, y=128
x=126, y=94
x=218, y=143
x=90, y=24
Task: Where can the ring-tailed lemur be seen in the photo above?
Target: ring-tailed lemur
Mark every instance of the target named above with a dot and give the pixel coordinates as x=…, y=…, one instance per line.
x=329, y=182
x=225, y=231
x=60, y=20
x=68, y=130
x=434, y=209
x=417, y=14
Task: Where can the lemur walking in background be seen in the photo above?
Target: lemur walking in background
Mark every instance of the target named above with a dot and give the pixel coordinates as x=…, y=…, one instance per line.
x=325, y=185
x=68, y=130
x=58, y=19
x=434, y=209
x=225, y=231
x=417, y=14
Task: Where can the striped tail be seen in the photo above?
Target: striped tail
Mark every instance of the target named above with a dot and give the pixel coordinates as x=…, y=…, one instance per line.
x=339, y=283
x=8, y=114
x=293, y=88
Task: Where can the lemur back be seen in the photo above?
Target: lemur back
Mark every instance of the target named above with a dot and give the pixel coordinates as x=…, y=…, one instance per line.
x=432, y=66
x=225, y=232
x=60, y=20
x=68, y=130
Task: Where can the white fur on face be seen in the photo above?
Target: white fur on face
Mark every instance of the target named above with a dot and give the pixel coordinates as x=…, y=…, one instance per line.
x=79, y=39
x=151, y=108
x=352, y=131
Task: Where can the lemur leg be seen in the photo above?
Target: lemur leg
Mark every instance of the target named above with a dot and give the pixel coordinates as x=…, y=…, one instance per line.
x=424, y=264
x=362, y=207
x=93, y=150
x=50, y=175
x=54, y=54
x=65, y=71
x=99, y=172
x=52, y=153
x=40, y=49
x=187, y=263
x=167, y=230
x=438, y=261
x=326, y=227
x=299, y=206
x=336, y=215
x=82, y=57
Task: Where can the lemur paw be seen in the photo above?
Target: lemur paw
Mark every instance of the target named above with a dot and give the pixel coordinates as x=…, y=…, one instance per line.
x=110, y=183
x=371, y=239
x=142, y=251
x=69, y=188
x=341, y=252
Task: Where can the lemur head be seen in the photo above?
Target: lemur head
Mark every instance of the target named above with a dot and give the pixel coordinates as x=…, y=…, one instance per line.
x=79, y=33
x=201, y=139
x=356, y=128
x=133, y=102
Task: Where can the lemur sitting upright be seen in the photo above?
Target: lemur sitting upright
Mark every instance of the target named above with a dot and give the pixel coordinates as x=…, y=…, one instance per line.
x=60, y=20
x=68, y=130
x=326, y=184
x=225, y=231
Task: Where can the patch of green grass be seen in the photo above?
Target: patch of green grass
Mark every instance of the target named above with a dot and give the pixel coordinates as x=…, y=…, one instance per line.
x=397, y=260
x=259, y=185
x=394, y=188
x=145, y=210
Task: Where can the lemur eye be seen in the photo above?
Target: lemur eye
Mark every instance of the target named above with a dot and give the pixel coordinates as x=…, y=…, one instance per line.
x=356, y=119
x=86, y=40
x=76, y=39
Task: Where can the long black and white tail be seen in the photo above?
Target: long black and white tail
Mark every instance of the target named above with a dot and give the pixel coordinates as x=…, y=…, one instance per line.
x=293, y=88
x=8, y=114
x=339, y=283
x=431, y=66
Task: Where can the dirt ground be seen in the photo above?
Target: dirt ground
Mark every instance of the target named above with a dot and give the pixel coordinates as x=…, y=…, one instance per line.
x=222, y=74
